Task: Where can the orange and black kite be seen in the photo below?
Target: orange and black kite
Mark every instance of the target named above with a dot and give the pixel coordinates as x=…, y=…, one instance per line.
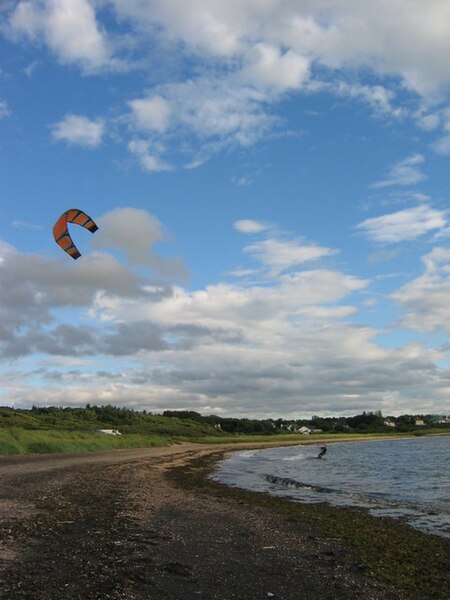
x=61, y=232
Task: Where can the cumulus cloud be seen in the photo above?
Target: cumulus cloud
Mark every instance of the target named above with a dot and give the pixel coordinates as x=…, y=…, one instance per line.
x=334, y=34
x=404, y=225
x=135, y=232
x=152, y=113
x=79, y=131
x=33, y=287
x=286, y=346
x=211, y=108
x=68, y=27
x=269, y=67
x=234, y=62
x=425, y=300
x=262, y=53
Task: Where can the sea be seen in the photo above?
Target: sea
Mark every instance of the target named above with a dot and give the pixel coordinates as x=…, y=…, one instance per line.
x=407, y=479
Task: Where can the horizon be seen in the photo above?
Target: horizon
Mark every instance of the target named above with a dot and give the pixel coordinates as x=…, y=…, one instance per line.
x=230, y=416
x=271, y=187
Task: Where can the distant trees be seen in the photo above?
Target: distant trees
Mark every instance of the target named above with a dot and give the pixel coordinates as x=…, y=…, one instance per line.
x=191, y=423
x=370, y=421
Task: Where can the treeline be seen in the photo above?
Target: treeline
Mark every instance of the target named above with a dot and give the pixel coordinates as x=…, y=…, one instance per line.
x=92, y=418
x=366, y=422
x=193, y=424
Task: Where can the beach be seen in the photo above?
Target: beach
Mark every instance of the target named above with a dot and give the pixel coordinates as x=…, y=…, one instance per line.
x=144, y=524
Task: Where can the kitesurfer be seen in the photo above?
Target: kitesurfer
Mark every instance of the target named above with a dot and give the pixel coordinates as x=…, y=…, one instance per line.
x=323, y=451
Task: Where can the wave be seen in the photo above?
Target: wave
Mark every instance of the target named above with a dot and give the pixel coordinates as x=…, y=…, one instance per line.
x=288, y=482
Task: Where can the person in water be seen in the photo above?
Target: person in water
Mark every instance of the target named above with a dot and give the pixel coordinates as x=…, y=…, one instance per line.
x=323, y=451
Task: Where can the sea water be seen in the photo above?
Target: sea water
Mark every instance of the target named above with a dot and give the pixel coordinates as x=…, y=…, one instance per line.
x=408, y=479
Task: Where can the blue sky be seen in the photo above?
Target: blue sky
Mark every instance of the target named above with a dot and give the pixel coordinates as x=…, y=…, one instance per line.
x=270, y=180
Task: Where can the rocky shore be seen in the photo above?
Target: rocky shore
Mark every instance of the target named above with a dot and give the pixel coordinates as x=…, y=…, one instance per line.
x=148, y=525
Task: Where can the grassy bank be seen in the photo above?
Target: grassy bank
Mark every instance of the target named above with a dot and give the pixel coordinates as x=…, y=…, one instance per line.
x=14, y=440
x=20, y=440
x=416, y=564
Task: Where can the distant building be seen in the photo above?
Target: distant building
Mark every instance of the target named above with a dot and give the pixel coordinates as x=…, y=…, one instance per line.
x=290, y=426
x=439, y=419
x=304, y=430
x=389, y=423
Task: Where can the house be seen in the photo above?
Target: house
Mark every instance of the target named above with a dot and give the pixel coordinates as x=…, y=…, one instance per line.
x=389, y=423
x=439, y=419
x=290, y=426
x=304, y=430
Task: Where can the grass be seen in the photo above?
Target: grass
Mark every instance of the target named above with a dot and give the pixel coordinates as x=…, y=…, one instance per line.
x=14, y=440
x=415, y=564
x=20, y=440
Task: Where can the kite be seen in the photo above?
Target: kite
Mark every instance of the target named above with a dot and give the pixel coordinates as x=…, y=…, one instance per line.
x=61, y=232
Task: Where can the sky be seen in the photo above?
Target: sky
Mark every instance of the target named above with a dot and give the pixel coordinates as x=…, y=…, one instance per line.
x=270, y=179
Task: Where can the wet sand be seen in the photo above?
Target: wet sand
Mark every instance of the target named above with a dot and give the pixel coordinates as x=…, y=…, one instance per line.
x=115, y=525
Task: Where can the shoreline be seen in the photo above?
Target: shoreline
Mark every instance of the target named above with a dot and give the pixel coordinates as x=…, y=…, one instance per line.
x=135, y=525
x=415, y=563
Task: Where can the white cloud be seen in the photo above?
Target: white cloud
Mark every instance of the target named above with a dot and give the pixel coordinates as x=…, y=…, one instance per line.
x=425, y=300
x=442, y=145
x=78, y=130
x=68, y=27
x=150, y=161
x=225, y=349
x=404, y=38
x=214, y=108
x=404, y=172
x=404, y=225
x=428, y=122
x=379, y=98
x=233, y=63
x=151, y=113
x=207, y=115
x=135, y=232
x=249, y=226
x=268, y=66
x=280, y=255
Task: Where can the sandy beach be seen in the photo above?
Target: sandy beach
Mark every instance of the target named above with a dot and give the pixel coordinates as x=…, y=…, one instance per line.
x=118, y=525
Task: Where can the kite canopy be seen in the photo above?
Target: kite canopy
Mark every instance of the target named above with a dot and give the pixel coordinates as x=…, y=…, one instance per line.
x=61, y=232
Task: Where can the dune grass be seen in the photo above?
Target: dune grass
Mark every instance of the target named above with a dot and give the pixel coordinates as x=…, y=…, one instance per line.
x=15, y=440
x=25, y=440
